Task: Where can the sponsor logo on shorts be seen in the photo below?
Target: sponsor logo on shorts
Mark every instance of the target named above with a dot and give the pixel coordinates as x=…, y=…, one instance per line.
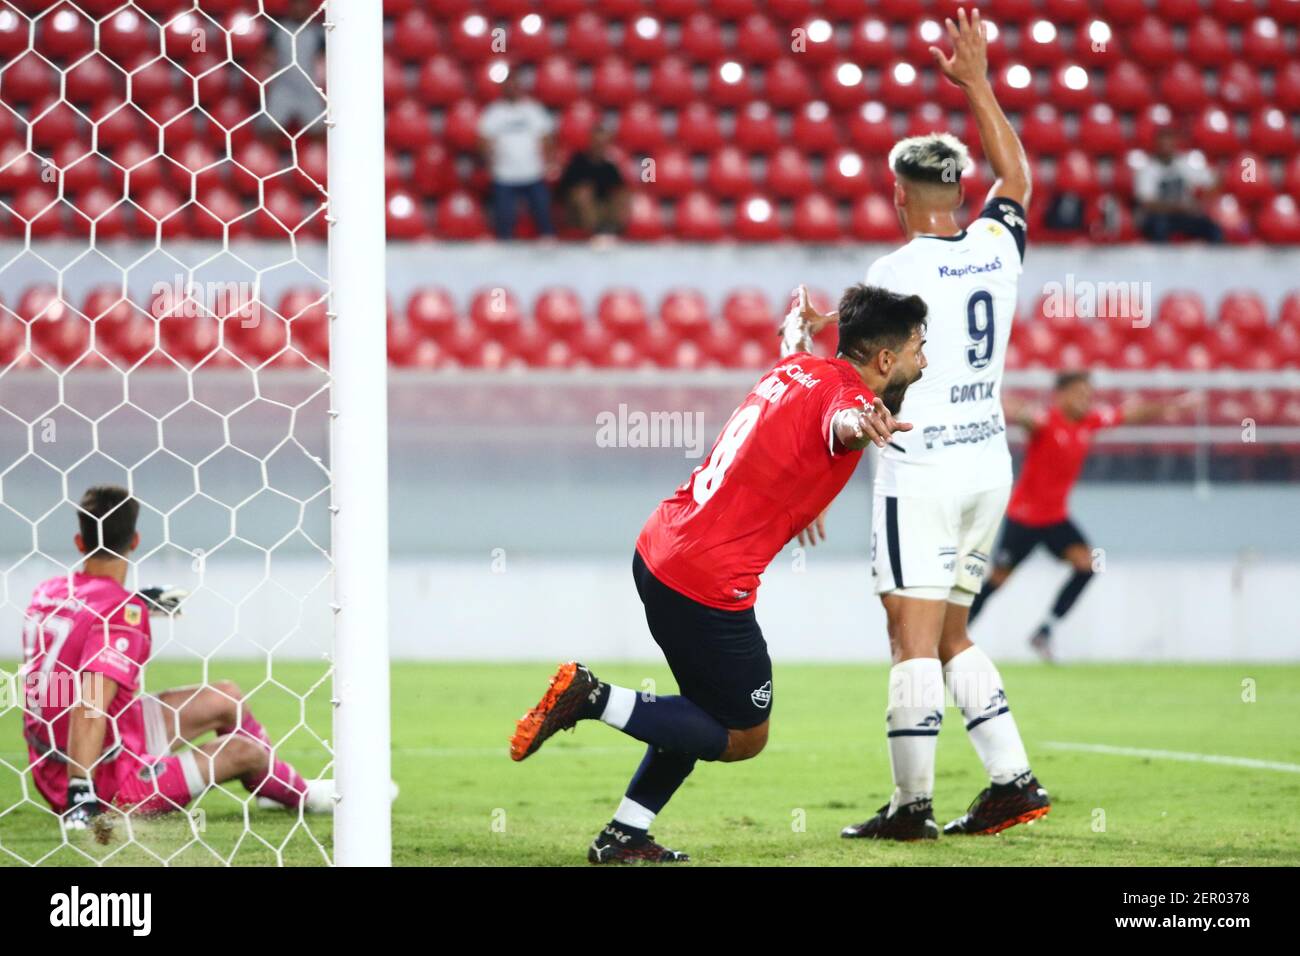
x=762, y=696
x=152, y=772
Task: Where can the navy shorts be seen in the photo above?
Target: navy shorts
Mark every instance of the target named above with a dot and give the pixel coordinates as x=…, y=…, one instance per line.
x=718, y=658
x=1018, y=540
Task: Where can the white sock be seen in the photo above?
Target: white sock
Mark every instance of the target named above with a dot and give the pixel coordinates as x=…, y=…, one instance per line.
x=619, y=702
x=913, y=720
x=976, y=688
x=632, y=814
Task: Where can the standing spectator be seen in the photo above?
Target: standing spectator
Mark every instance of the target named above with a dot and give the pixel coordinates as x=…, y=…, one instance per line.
x=592, y=189
x=515, y=137
x=1167, y=186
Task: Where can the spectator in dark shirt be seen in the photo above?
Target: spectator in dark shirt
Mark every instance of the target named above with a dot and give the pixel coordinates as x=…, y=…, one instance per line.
x=592, y=188
x=1167, y=186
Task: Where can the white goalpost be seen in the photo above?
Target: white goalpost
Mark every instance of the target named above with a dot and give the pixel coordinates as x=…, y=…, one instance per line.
x=359, y=419
x=193, y=307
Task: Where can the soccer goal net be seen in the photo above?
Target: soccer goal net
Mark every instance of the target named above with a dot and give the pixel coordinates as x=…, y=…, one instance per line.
x=192, y=308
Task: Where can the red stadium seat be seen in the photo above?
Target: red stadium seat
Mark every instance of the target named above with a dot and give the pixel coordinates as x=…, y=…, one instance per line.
x=1262, y=43
x=644, y=218
x=576, y=124
x=1127, y=87
x=757, y=219
x=1075, y=173
x=1100, y=132
x=702, y=38
x=847, y=174
x=900, y=85
x=870, y=41
x=758, y=41
x=698, y=128
x=1096, y=43
x=698, y=218
x=407, y=125
x=1043, y=131
x=1245, y=311
x=559, y=314
x=671, y=82
x=874, y=220
x=1214, y=134
x=441, y=81
x=1207, y=43
x=1182, y=86
x=496, y=313
x=1014, y=86
x=1233, y=11
x=1292, y=177
x=1240, y=88
x=622, y=313
x=1279, y=221
x=639, y=129
x=816, y=219
x=416, y=36
x=756, y=128
x=644, y=41
x=871, y=130
x=729, y=174
x=730, y=84
x=814, y=128
x=1072, y=87
x=1151, y=42
x=1185, y=312
x=673, y=175
x=556, y=81
x=1286, y=91
x=460, y=217
x=788, y=174
x=613, y=82
x=1041, y=45
x=1231, y=218
x=587, y=37
x=787, y=85
x=685, y=314
x=431, y=312
x=1272, y=133
x=748, y=313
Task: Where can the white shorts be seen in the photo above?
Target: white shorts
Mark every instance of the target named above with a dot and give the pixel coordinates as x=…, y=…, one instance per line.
x=935, y=548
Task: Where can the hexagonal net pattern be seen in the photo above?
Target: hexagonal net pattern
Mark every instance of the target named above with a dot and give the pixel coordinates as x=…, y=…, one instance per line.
x=164, y=328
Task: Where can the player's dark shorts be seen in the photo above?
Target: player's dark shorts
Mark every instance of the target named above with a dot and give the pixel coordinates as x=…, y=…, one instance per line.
x=719, y=658
x=1018, y=540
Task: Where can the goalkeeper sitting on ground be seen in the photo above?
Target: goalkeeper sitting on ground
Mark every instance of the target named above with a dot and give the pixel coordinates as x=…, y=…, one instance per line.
x=93, y=737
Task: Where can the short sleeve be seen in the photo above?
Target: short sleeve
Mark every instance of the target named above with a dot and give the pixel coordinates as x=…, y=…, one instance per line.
x=881, y=274
x=542, y=121
x=1011, y=215
x=1146, y=183
x=116, y=650
x=487, y=122
x=840, y=396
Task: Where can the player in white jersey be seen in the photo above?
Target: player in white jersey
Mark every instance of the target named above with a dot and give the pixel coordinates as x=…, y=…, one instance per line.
x=941, y=489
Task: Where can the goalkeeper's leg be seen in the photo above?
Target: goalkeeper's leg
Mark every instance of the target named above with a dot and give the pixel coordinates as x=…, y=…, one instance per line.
x=191, y=712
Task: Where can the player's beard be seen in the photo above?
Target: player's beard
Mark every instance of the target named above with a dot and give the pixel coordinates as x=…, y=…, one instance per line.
x=894, y=390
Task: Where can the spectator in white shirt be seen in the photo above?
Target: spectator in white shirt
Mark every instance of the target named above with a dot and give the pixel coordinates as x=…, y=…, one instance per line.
x=515, y=136
x=1167, y=186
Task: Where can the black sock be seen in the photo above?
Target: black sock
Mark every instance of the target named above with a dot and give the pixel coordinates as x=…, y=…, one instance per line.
x=594, y=706
x=1070, y=592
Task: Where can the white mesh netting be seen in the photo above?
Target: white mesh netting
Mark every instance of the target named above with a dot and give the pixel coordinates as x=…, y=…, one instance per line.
x=163, y=326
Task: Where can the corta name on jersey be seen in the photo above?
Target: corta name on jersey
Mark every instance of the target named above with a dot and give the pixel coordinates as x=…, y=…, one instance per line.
x=974, y=392
x=951, y=272
x=963, y=434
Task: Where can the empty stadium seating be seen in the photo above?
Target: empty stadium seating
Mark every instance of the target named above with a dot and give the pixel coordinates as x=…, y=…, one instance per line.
x=758, y=99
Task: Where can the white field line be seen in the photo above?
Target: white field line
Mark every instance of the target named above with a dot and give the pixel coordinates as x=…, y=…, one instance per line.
x=1180, y=755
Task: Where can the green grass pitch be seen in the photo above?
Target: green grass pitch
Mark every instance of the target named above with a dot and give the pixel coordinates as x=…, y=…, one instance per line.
x=463, y=802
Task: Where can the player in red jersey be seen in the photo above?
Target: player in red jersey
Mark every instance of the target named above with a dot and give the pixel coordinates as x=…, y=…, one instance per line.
x=95, y=739
x=1059, y=439
x=782, y=457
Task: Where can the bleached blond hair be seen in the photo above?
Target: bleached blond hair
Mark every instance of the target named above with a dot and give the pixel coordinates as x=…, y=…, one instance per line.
x=938, y=158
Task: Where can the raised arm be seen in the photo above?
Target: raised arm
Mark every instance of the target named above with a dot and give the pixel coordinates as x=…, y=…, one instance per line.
x=801, y=323
x=968, y=68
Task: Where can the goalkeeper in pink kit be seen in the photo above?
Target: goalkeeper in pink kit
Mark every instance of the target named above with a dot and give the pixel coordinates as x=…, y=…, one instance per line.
x=94, y=739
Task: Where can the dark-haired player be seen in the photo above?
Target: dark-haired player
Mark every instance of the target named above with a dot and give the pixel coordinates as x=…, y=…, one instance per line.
x=782, y=457
x=941, y=488
x=94, y=738
x=1059, y=439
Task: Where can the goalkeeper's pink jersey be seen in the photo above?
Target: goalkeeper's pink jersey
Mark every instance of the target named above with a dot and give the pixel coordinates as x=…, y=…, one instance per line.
x=88, y=624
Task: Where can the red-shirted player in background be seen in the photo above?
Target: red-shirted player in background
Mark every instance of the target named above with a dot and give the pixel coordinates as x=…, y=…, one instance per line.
x=783, y=456
x=1059, y=439
x=94, y=738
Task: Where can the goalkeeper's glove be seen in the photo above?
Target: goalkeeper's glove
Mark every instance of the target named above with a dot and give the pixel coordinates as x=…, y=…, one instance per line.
x=83, y=806
x=164, y=600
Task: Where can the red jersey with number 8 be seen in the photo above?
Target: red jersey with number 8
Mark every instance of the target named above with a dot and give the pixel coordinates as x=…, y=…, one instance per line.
x=773, y=469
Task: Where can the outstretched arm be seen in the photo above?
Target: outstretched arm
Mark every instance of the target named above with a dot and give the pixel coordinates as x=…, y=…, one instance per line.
x=968, y=68
x=1021, y=413
x=1139, y=412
